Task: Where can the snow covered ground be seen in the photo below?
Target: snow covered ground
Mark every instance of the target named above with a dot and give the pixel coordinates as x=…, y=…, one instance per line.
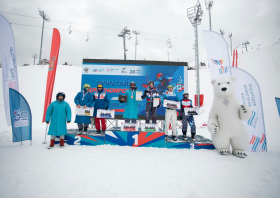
x=112, y=171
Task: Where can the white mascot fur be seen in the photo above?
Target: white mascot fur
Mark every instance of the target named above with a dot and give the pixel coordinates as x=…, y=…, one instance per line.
x=225, y=118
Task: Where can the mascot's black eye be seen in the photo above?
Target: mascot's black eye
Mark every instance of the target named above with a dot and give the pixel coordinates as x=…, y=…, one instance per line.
x=219, y=83
x=227, y=82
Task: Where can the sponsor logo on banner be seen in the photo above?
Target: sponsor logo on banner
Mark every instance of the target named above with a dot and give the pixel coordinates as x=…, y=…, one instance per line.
x=95, y=70
x=86, y=69
x=123, y=70
x=223, y=69
x=100, y=70
x=112, y=70
x=114, y=83
x=138, y=71
x=132, y=71
x=20, y=118
x=52, y=63
x=13, y=59
x=253, y=120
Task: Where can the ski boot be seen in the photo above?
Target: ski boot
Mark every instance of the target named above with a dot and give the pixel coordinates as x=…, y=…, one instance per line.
x=98, y=131
x=193, y=136
x=52, y=144
x=85, y=131
x=102, y=132
x=174, y=138
x=79, y=132
x=62, y=143
x=185, y=137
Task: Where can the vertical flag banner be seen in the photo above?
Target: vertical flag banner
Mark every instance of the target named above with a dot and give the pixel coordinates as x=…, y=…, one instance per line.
x=9, y=64
x=51, y=70
x=248, y=92
x=233, y=58
x=277, y=100
x=217, y=54
x=21, y=118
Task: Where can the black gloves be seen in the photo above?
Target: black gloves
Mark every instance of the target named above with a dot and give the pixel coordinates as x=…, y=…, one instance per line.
x=145, y=92
x=47, y=122
x=121, y=101
x=107, y=107
x=158, y=106
x=142, y=97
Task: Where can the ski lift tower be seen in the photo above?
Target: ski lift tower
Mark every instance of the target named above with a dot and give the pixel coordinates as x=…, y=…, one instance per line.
x=47, y=19
x=209, y=4
x=195, y=14
x=122, y=34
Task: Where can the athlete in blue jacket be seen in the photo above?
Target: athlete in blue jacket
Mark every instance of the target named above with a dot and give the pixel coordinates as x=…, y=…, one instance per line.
x=101, y=101
x=83, y=99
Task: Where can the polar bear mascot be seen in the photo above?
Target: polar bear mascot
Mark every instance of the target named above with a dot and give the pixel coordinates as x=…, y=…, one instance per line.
x=225, y=118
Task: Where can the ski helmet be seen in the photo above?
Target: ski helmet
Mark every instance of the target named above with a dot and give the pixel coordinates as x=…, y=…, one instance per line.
x=151, y=82
x=60, y=94
x=185, y=93
x=132, y=82
x=86, y=86
x=169, y=86
x=99, y=85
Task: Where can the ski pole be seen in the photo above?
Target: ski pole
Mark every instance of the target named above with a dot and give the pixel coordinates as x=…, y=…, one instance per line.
x=46, y=135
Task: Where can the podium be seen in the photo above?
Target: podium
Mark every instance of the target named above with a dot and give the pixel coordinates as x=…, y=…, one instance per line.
x=138, y=138
x=89, y=139
x=199, y=143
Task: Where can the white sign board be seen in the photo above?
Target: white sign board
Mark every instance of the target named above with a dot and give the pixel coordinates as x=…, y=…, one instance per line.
x=84, y=111
x=149, y=127
x=102, y=113
x=171, y=104
x=138, y=95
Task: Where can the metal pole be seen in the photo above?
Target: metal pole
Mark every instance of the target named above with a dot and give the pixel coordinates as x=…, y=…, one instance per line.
x=197, y=66
x=124, y=44
x=210, y=18
x=231, y=46
x=46, y=135
x=34, y=60
x=42, y=39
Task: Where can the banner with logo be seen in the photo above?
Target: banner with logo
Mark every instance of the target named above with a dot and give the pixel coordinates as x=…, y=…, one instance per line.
x=52, y=69
x=217, y=54
x=248, y=92
x=21, y=118
x=9, y=63
x=116, y=79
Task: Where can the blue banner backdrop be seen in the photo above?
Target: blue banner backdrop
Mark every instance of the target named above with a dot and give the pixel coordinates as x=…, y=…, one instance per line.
x=116, y=78
x=21, y=118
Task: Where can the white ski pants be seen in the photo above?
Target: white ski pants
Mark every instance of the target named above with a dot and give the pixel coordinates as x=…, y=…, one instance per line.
x=170, y=116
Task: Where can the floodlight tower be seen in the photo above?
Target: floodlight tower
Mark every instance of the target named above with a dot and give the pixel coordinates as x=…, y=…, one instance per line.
x=246, y=43
x=35, y=57
x=209, y=4
x=47, y=19
x=229, y=36
x=136, y=41
x=122, y=34
x=195, y=14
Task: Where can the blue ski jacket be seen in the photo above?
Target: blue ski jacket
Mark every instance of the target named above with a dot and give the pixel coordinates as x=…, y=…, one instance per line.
x=83, y=98
x=58, y=113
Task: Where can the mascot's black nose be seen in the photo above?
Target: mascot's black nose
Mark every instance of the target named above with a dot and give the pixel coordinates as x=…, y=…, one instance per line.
x=224, y=89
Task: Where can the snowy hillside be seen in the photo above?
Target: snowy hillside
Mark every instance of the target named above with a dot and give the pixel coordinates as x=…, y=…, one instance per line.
x=112, y=171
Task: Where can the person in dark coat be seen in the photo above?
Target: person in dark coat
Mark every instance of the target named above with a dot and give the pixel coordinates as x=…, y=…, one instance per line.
x=101, y=101
x=151, y=112
x=58, y=113
x=83, y=99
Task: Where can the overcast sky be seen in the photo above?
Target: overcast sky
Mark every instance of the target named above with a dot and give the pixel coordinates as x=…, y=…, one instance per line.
x=257, y=21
